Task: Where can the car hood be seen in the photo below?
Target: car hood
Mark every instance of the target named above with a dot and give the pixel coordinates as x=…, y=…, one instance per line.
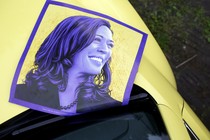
x=154, y=74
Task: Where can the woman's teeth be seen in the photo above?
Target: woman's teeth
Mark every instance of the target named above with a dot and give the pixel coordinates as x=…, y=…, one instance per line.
x=96, y=59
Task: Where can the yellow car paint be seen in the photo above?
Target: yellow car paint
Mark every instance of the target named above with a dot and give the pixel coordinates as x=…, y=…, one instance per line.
x=154, y=74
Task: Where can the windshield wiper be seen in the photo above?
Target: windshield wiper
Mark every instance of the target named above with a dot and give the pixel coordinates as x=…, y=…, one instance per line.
x=16, y=132
x=24, y=119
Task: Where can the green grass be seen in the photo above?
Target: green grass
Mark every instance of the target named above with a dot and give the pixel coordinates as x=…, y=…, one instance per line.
x=172, y=20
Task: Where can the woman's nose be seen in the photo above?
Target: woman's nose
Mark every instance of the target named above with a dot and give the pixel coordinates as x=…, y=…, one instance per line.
x=104, y=48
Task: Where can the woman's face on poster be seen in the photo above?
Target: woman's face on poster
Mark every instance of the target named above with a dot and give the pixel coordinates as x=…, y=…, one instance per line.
x=92, y=58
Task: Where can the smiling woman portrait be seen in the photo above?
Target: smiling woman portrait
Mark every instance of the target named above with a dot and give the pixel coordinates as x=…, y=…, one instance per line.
x=72, y=67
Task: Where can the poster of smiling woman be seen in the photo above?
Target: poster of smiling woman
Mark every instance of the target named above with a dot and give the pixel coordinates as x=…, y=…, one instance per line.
x=77, y=60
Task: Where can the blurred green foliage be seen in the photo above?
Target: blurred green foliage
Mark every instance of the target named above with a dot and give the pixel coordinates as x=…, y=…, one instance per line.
x=172, y=20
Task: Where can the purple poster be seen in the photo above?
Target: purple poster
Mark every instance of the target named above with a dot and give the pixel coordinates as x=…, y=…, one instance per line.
x=77, y=60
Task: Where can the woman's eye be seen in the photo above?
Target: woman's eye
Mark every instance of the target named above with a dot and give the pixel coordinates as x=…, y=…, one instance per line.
x=97, y=39
x=111, y=45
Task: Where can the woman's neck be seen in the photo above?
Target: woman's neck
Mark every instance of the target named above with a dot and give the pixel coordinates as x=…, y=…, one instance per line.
x=69, y=96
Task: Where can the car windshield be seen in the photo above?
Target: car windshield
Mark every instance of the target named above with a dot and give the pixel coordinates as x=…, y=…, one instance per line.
x=140, y=119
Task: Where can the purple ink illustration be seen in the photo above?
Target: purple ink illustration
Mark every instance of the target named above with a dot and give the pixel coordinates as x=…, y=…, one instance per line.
x=72, y=67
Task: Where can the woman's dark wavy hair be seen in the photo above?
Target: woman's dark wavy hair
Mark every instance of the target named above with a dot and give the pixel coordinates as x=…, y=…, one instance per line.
x=54, y=57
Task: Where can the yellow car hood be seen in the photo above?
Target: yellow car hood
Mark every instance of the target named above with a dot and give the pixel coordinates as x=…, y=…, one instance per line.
x=18, y=19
